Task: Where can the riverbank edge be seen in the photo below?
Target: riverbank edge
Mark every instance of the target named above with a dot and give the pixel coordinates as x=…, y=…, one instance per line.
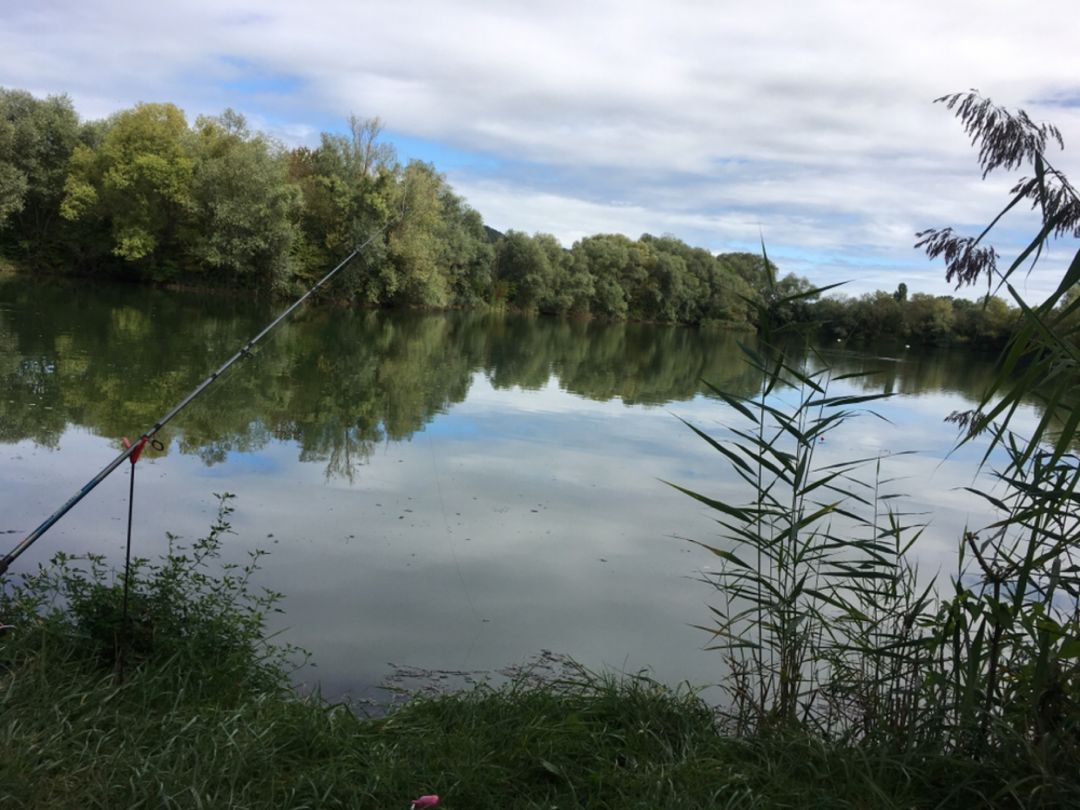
x=76, y=737
x=9, y=269
x=160, y=687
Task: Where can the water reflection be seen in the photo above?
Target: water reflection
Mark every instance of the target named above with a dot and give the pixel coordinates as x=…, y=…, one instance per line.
x=454, y=490
x=340, y=382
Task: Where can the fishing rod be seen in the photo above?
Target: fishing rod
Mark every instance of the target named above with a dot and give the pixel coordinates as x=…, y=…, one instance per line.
x=134, y=448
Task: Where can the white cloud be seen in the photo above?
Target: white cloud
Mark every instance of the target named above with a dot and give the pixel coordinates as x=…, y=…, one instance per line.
x=808, y=120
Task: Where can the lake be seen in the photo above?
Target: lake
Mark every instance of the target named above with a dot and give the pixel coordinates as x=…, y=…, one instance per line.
x=445, y=491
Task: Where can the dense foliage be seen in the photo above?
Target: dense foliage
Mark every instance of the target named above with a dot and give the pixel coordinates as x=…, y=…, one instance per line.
x=921, y=318
x=145, y=195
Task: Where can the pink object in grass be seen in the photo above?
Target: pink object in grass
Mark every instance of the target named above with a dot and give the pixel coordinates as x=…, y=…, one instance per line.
x=425, y=801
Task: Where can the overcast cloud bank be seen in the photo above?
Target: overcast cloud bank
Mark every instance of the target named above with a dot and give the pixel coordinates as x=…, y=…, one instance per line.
x=809, y=124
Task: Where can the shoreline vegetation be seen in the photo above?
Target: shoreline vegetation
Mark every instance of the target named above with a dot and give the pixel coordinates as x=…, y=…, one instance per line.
x=147, y=197
x=189, y=704
x=852, y=683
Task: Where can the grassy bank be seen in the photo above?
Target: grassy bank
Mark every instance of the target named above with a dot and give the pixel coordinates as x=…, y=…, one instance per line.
x=186, y=704
x=73, y=737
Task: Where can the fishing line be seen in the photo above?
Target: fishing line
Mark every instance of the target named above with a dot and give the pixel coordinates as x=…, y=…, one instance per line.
x=244, y=351
x=125, y=627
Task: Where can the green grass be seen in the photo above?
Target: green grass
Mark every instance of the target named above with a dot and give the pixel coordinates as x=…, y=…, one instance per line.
x=198, y=712
x=71, y=736
x=203, y=716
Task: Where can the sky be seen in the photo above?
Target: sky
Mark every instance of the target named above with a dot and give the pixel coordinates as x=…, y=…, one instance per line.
x=808, y=125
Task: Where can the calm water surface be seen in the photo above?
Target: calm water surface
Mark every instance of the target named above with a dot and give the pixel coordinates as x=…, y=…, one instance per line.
x=440, y=491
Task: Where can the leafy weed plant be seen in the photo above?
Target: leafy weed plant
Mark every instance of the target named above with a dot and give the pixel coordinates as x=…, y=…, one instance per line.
x=187, y=610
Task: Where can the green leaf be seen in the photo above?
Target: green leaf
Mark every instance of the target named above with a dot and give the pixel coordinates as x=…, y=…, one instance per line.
x=1070, y=649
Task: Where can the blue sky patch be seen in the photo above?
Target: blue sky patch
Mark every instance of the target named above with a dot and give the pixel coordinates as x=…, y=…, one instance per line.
x=240, y=463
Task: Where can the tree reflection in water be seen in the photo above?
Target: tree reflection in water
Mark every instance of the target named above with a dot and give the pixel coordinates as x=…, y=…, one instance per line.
x=339, y=382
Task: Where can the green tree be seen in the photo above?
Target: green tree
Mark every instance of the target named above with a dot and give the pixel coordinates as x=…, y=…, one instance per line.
x=350, y=192
x=767, y=288
x=560, y=295
x=986, y=324
x=416, y=242
x=524, y=269
x=678, y=281
x=606, y=258
x=670, y=291
x=928, y=318
x=12, y=182
x=571, y=285
x=707, y=291
x=836, y=318
x=37, y=138
x=139, y=181
x=877, y=315
x=244, y=207
x=752, y=269
x=468, y=255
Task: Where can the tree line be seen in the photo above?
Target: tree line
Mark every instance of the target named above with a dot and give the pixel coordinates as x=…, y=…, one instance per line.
x=920, y=318
x=146, y=195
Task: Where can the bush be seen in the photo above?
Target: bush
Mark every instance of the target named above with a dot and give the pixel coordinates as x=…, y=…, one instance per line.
x=187, y=610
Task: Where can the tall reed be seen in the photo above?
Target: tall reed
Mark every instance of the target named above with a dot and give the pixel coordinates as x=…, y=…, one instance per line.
x=824, y=622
